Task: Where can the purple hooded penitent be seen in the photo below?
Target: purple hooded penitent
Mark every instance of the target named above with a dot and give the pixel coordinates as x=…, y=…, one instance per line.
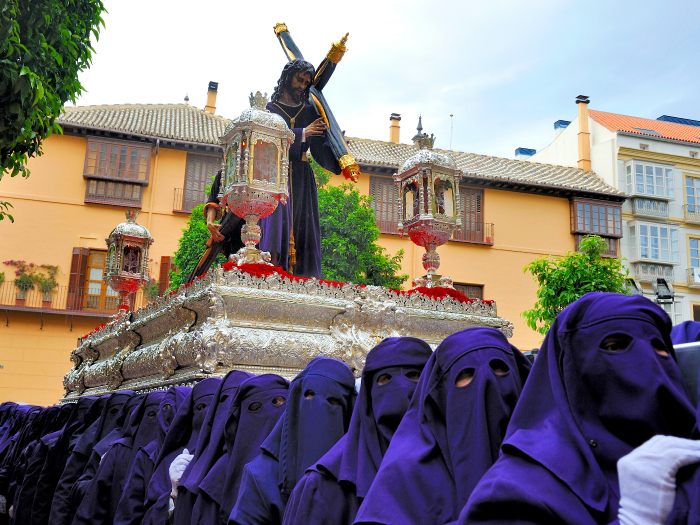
x=452, y=431
x=130, y=509
x=182, y=434
x=102, y=496
x=605, y=381
x=319, y=406
x=210, y=446
x=332, y=490
x=257, y=407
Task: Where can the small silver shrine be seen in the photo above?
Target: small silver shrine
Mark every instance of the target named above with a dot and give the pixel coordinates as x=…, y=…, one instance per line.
x=234, y=320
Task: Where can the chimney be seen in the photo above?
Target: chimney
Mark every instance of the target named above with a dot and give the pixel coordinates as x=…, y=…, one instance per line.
x=559, y=126
x=524, y=153
x=211, y=97
x=584, y=137
x=394, y=129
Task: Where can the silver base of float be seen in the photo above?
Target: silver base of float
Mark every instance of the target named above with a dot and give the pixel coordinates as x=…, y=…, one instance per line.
x=276, y=324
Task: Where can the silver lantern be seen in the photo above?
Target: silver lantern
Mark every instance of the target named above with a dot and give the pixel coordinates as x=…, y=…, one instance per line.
x=428, y=196
x=127, y=258
x=256, y=167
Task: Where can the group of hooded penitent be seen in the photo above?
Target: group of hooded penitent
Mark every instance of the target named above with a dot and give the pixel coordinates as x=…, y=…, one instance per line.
x=470, y=433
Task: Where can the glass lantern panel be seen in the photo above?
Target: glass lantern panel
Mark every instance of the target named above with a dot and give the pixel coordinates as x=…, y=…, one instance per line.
x=411, y=201
x=231, y=162
x=449, y=199
x=132, y=260
x=265, y=162
x=443, y=198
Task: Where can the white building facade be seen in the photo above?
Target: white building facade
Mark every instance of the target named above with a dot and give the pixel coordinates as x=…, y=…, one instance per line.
x=657, y=163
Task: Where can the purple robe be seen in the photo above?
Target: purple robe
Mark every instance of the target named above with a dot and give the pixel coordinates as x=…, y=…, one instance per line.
x=331, y=491
x=451, y=433
x=303, y=202
x=257, y=407
x=182, y=434
x=130, y=509
x=319, y=406
x=588, y=403
x=62, y=509
x=210, y=446
x=100, y=502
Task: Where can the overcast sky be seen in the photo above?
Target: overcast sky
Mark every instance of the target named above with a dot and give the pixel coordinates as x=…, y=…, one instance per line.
x=506, y=70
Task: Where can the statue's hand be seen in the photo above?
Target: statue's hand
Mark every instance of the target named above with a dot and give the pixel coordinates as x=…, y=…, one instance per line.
x=317, y=127
x=214, y=230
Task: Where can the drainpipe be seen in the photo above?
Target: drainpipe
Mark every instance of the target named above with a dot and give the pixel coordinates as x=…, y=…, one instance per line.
x=153, y=186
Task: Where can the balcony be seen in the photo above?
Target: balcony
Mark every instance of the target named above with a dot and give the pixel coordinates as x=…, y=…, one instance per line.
x=647, y=272
x=651, y=208
x=476, y=233
x=63, y=300
x=694, y=277
x=691, y=213
x=181, y=204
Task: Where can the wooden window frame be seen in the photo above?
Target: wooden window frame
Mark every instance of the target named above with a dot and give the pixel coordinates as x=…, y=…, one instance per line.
x=465, y=289
x=140, y=146
x=191, y=158
x=95, y=198
x=579, y=228
x=378, y=211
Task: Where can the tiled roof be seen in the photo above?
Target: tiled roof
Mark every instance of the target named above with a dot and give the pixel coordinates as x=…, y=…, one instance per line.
x=642, y=126
x=389, y=154
x=170, y=121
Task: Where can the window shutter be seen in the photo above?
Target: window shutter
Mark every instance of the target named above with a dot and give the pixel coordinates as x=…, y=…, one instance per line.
x=198, y=175
x=386, y=212
x=163, y=281
x=76, y=281
x=472, y=215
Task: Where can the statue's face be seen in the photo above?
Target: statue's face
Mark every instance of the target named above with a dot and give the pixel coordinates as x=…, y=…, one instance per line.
x=297, y=84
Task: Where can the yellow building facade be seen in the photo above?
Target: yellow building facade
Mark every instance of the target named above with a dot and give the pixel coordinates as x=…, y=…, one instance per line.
x=158, y=158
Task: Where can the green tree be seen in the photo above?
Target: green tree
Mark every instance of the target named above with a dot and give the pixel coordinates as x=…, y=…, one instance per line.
x=191, y=247
x=349, y=249
x=563, y=280
x=44, y=44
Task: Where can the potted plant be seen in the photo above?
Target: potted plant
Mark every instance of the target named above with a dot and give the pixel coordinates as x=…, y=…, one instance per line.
x=24, y=283
x=150, y=289
x=47, y=284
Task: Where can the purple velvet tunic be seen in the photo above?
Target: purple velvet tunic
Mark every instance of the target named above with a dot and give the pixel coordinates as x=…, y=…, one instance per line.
x=586, y=404
x=210, y=446
x=331, y=491
x=259, y=404
x=303, y=202
x=182, y=434
x=130, y=509
x=102, y=497
x=317, y=415
x=452, y=431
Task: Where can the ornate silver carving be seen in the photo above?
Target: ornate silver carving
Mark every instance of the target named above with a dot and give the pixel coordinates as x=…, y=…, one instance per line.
x=232, y=319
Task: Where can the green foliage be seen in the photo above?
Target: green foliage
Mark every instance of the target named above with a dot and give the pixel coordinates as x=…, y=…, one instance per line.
x=150, y=289
x=29, y=276
x=24, y=282
x=565, y=279
x=43, y=46
x=2, y=277
x=349, y=251
x=191, y=247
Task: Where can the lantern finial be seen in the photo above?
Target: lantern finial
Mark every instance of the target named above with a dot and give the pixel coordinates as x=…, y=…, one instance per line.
x=131, y=216
x=424, y=141
x=258, y=101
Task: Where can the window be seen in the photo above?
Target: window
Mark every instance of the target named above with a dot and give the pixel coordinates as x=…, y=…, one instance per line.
x=471, y=201
x=644, y=147
x=110, y=192
x=649, y=179
x=692, y=194
x=674, y=311
x=693, y=154
x=611, y=250
x=98, y=296
x=696, y=312
x=386, y=213
x=694, y=258
x=598, y=217
x=473, y=291
x=117, y=161
x=199, y=173
x=654, y=242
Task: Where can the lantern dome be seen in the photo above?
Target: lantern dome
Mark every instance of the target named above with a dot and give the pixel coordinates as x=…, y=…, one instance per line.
x=258, y=114
x=428, y=156
x=130, y=228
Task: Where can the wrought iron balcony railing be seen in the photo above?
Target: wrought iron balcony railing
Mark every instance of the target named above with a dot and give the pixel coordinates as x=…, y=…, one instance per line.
x=650, y=208
x=691, y=213
x=476, y=232
x=64, y=299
